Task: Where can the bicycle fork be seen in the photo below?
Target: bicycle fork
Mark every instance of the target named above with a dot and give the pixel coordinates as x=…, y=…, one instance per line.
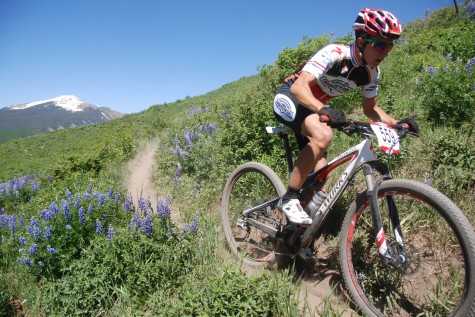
x=388, y=256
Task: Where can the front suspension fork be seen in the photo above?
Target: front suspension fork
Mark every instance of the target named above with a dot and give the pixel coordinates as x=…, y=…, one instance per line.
x=372, y=191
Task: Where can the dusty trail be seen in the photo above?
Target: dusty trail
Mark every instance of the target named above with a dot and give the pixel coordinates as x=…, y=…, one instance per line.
x=317, y=280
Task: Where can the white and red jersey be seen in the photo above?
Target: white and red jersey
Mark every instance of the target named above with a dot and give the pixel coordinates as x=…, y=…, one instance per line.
x=338, y=71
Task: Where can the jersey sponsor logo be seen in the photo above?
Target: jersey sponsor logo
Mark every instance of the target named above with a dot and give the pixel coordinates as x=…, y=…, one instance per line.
x=284, y=107
x=335, y=86
x=337, y=50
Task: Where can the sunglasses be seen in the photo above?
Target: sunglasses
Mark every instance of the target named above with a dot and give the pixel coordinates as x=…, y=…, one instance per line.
x=380, y=45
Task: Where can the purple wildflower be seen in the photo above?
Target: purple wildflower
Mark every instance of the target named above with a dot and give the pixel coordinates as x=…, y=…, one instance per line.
x=69, y=228
x=53, y=208
x=193, y=227
x=147, y=224
x=68, y=194
x=81, y=215
x=135, y=222
x=110, y=193
x=89, y=188
x=66, y=210
x=163, y=209
x=48, y=232
x=470, y=64
x=77, y=202
x=35, y=186
x=110, y=232
x=49, y=249
x=36, y=232
x=27, y=262
x=431, y=70
x=50, y=179
x=90, y=209
x=144, y=204
x=128, y=202
x=46, y=214
x=40, y=263
x=117, y=198
x=98, y=226
x=101, y=199
x=86, y=196
x=22, y=241
x=12, y=224
x=33, y=249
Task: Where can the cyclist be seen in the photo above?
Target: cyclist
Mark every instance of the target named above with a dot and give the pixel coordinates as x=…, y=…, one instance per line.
x=331, y=72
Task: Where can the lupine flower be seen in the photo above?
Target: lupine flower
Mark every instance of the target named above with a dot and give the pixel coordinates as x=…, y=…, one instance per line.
x=89, y=188
x=110, y=193
x=98, y=226
x=67, y=212
x=144, y=204
x=22, y=241
x=431, y=70
x=427, y=181
x=101, y=199
x=46, y=214
x=48, y=232
x=81, y=215
x=68, y=194
x=470, y=64
x=86, y=196
x=33, y=249
x=192, y=228
x=69, y=228
x=50, y=179
x=53, y=208
x=3, y=220
x=147, y=224
x=35, y=186
x=21, y=221
x=163, y=209
x=90, y=209
x=12, y=224
x=49, y=249
x=128, y=202
x=181, y=153
x=117, y=198
x=40, y=263
x=110, y=232
x=224, y=113
x=27, y=262
x=36, y=232
x=135, y=222
x=77, y=203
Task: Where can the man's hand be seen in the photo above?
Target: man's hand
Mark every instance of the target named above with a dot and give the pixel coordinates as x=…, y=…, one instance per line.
x=412, y=123
x=336, y=117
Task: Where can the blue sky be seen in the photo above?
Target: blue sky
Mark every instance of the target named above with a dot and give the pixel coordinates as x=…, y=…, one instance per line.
x=130, y=55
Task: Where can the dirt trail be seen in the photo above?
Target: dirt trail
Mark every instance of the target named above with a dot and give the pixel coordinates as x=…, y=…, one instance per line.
x=316, y=281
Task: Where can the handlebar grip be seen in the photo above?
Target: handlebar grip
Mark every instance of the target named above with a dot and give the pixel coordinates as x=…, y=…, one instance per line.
x=324, y=118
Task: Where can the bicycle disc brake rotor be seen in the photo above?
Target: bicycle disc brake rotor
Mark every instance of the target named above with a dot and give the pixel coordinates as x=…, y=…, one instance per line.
x=408, y=260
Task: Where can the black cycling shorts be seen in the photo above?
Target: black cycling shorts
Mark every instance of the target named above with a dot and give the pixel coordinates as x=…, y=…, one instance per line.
x=288, y=110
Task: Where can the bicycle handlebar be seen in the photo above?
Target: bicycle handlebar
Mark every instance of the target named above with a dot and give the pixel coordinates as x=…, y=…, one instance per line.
x=364, y=127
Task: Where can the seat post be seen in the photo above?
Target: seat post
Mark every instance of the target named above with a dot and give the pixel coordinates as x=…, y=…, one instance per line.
x=288, y=154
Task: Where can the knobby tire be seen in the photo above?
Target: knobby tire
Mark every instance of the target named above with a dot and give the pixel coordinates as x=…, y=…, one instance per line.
x=440, y=241
x=250, y=184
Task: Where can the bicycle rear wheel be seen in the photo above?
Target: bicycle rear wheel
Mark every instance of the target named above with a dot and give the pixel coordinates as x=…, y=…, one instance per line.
x=438, y=279
x=249, y=185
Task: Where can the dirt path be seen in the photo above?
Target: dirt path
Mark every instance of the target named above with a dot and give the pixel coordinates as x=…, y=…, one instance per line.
x=317, y=280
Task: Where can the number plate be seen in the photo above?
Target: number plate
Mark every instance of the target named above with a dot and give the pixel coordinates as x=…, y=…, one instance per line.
x=388, y=138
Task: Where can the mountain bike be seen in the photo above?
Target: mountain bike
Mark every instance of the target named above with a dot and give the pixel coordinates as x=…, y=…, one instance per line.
x=405, y=249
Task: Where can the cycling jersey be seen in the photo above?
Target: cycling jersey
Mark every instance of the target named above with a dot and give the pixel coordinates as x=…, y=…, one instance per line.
x=338, y=71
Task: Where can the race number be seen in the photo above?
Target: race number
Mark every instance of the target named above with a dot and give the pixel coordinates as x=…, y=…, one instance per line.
x=388, y=139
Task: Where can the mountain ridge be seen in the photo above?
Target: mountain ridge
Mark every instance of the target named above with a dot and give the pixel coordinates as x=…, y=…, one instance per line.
x=62, y=112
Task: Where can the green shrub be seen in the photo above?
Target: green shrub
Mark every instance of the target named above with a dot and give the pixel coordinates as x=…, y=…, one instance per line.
x=447, y=93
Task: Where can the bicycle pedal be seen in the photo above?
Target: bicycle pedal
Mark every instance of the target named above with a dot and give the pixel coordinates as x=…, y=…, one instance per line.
x=306, y=254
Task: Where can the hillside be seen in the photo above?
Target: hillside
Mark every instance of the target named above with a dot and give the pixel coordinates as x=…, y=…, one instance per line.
x=69, y=226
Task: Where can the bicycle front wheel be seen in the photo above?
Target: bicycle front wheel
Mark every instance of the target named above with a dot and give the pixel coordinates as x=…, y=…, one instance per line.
x=248, y=237
x=436, y=272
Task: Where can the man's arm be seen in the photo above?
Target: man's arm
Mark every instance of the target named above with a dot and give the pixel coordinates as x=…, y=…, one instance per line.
x=375, y=113
x=302, y=92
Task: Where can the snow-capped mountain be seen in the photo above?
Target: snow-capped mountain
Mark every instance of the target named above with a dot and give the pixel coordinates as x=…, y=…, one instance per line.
x=57, y=113
x=68, y=102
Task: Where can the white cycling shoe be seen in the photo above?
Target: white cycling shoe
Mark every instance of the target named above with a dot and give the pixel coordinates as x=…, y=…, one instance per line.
x=294, y=212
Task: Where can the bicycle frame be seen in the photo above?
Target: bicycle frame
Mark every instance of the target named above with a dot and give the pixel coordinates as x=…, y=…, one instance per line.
x=360, y=155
